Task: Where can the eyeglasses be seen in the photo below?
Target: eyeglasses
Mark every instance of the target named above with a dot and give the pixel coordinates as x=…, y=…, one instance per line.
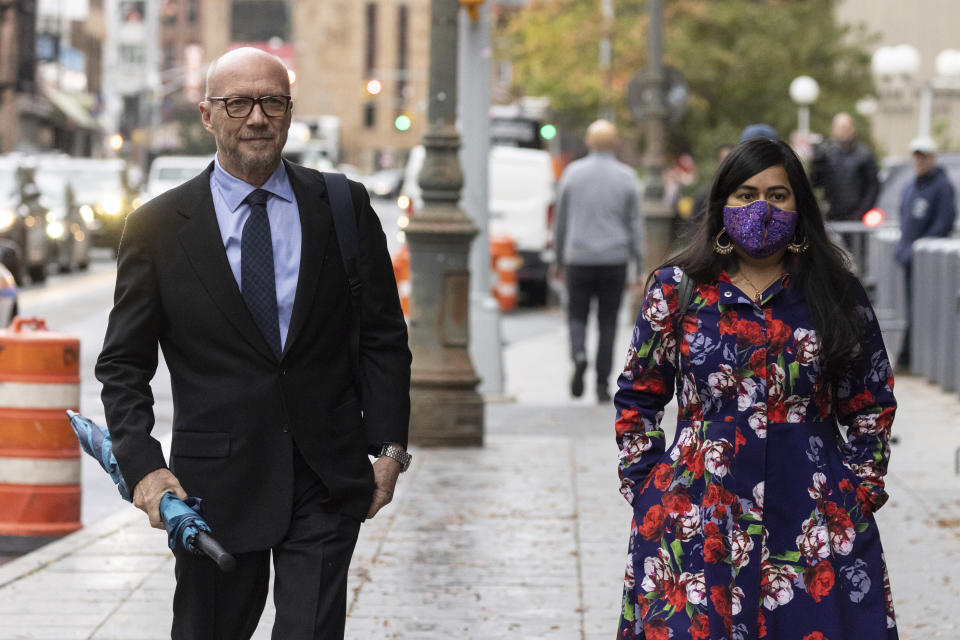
x=242, y=106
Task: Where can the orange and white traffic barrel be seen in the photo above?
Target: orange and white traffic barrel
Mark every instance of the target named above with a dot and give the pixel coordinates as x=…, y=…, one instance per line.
x=39, y=453
x=401, y=271
x=504, y=262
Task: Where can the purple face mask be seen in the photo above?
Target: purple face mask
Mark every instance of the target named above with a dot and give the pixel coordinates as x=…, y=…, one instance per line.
x=759, y=228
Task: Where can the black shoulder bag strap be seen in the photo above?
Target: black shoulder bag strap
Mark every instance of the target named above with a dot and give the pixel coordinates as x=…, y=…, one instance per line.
x=684, y=298
x=345, y=226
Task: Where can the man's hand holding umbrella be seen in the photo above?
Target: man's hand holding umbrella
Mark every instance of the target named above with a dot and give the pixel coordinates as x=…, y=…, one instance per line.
x=158, y=494
x=151, y=489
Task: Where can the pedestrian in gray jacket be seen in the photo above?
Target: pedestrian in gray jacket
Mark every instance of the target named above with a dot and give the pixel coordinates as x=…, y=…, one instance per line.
x=598, y=230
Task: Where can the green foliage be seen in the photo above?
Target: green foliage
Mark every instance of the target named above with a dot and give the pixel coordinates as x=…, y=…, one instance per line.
x=738, y=57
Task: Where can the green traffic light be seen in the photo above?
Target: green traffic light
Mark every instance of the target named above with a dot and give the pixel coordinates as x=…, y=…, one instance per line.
x=548, y=132
x=402, y=122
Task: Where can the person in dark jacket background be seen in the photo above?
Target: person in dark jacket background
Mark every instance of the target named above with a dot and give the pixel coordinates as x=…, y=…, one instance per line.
x=928, y=210
x=847, y=171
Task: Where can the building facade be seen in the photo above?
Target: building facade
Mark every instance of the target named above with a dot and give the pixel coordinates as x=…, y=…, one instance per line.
x=930, y=27
x=363, y=62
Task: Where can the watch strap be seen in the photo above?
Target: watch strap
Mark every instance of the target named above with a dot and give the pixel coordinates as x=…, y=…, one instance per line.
x=397, y=453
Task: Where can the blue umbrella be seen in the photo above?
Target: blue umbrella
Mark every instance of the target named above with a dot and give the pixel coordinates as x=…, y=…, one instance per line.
x=183, y=520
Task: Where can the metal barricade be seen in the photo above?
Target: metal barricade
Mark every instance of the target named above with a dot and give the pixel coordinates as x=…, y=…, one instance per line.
x=889, y=294
x=921, y=318
x=949, y=258
x=930, y=307
x=853, y=236
x=955, y=323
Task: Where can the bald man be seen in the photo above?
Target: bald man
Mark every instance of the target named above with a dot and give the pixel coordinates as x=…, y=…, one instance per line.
x=237, y=276
x=598, y=231
x=847, y=171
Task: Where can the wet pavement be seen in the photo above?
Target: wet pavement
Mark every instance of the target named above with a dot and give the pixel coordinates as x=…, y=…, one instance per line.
x=523, y=538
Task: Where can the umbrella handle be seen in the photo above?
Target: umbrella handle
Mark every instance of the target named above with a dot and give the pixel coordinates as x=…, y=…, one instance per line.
x=212, y=548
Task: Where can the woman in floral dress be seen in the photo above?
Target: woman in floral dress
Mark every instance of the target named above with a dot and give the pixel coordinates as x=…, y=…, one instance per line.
x=757, y=521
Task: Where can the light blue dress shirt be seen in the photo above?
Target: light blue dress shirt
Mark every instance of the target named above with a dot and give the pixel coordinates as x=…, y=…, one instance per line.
x=229, y=193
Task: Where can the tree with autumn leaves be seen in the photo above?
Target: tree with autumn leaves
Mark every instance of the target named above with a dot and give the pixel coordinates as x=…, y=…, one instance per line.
x=738, y=57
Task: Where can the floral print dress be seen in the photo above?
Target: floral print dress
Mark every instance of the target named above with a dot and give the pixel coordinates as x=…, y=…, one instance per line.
x=756, y=522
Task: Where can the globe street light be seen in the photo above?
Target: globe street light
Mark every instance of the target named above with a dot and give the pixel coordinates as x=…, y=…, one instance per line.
x=804, y=91
x=901, y=61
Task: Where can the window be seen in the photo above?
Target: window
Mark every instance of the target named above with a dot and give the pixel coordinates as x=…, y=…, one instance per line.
x=403, y=24
x=169, y=55
x=259, y=20
x=371, y=42
x=369, y=115
x=132, y=11
x=132, y=54
x=169, y=12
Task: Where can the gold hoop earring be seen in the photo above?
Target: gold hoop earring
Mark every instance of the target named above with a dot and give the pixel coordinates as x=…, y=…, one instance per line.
x=797, y=248
x=722, y=249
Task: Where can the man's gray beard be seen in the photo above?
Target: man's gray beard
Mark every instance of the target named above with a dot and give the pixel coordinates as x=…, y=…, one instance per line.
x=252, y=164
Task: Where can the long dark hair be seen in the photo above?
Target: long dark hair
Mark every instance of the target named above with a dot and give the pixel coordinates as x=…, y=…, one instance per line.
x=822, y=273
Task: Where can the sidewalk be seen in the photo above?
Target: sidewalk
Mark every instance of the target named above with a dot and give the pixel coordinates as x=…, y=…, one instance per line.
x=524, y=538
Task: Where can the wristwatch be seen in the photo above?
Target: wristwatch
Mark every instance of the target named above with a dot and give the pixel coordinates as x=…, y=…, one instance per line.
x=397, y=453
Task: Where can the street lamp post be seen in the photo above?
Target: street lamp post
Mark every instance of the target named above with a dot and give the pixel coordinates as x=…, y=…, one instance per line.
x=446, y=409
x=658, y=217
x=804, y=91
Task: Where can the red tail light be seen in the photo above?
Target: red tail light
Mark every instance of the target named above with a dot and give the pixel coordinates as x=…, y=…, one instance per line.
x=874, y=217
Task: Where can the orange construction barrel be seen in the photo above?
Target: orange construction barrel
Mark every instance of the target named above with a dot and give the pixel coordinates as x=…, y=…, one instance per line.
x=401, y=271
x=505, y=262
x=39, y=453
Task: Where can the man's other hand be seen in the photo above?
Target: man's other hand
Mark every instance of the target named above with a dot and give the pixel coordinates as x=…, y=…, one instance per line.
x=385, y=473
x=149, y=491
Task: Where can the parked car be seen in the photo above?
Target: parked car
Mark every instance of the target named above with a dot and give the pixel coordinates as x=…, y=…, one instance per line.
x=167, y=172
x=521, y=196
x=385, y=183
x=8, y=297
x=103, y=192
x=67, y=229
x=24, y=247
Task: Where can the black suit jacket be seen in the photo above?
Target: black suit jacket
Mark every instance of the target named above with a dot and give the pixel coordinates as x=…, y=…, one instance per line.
x=238, y=410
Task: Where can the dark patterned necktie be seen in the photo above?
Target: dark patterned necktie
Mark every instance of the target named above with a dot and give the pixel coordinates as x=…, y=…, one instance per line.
x=256, y=270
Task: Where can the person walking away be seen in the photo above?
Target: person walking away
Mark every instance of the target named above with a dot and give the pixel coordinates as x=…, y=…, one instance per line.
x=282, y=385
x=847, y=171
x=757, y=521
x=928, y=209
x=598, y=229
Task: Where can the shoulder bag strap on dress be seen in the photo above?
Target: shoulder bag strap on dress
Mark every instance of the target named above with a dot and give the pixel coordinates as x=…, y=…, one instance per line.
x=684, y=298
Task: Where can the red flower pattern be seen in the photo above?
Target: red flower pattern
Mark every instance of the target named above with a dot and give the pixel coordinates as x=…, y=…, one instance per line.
x=662, y=475
x=778, y=334
x=819, y=580
x=748, y=333
x=656, y=629
x=652, y=527
x=650, y=382
x=699, y=627
x=677, y=501
x=714, y=550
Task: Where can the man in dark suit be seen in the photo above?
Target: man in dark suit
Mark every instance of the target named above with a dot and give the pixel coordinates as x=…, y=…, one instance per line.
x=237, y=275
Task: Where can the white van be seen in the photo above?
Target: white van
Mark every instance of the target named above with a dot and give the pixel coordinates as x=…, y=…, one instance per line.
x=521, y=197
x=167, y=172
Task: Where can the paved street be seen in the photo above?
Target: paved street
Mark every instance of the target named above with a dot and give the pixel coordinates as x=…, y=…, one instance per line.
x=523, y=538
